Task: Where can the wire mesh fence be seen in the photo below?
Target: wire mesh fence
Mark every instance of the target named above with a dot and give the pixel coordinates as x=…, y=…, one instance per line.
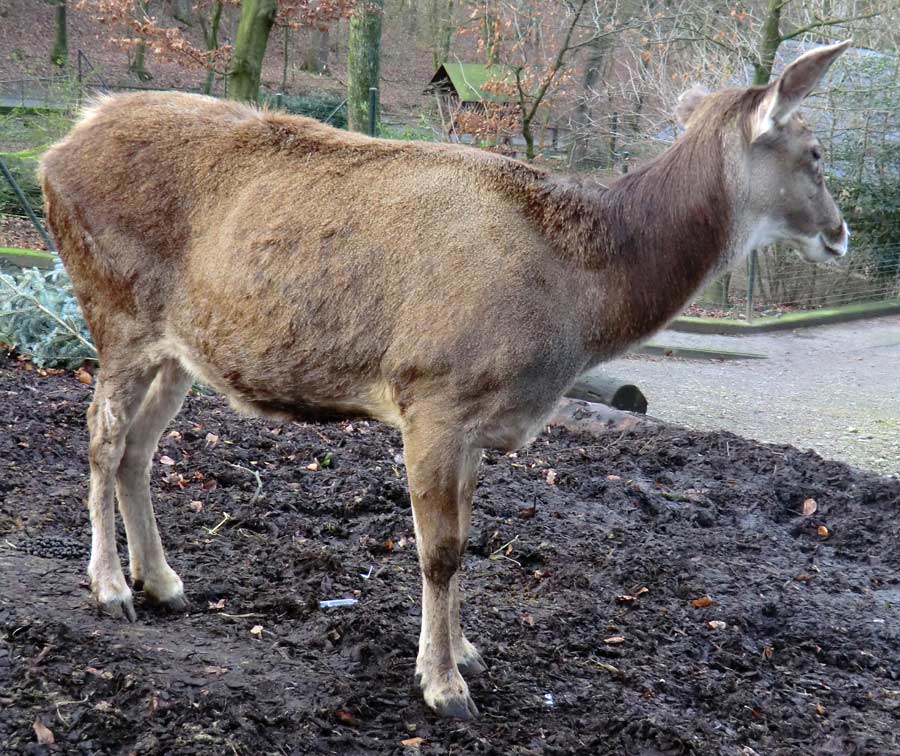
x=783, y=282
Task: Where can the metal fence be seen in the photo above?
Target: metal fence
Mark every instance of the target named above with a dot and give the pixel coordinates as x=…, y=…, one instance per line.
x=783, y=282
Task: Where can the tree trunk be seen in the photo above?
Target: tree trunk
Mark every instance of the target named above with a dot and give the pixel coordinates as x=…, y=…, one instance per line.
x=441, y=19
x=60, y=54
x=363, y=61
x=285, y=57
x=183, y=10
x=490, y=35
x=257, y=17
x=528, y=135
x=211, y=37
x=594, y=67
x=768, y=45
x=136, y=64
x=315, y=56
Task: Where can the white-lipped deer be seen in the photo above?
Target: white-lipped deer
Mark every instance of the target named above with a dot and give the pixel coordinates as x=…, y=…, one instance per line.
x=309, y=273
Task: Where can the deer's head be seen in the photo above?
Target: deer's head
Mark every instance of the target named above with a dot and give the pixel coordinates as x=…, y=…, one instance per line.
x=775, y=160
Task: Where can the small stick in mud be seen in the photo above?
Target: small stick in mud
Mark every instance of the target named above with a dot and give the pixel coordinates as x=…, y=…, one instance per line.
x=255, y=474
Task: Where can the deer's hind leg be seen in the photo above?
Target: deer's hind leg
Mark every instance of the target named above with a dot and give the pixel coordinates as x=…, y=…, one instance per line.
x=148, y=565
x=120, y=389
x=468, y=660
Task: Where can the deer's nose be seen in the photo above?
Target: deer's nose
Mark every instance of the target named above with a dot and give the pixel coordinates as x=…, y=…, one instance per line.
x=837, y=239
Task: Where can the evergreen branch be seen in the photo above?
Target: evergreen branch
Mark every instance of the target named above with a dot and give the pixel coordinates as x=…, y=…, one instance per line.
x=6, y=280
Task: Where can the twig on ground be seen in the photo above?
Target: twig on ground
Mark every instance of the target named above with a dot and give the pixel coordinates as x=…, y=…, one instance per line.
x=255, y=474
x=67, y=703
x=601, y=447
x=498, y=553
x=215, y=530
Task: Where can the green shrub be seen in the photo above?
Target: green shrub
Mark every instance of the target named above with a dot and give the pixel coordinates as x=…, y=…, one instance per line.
x=41, y=317
x=23, y=166
x=323, y=107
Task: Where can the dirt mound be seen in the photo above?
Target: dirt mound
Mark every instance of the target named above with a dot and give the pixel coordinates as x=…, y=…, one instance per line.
x=797, y=653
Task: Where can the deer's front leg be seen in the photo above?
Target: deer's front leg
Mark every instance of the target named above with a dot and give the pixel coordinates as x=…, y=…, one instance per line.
x=436, y=467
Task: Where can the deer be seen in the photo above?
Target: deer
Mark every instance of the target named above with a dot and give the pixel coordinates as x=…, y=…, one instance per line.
x=311, y=274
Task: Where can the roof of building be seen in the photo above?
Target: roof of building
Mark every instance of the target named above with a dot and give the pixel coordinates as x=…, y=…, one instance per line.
x=467, y=81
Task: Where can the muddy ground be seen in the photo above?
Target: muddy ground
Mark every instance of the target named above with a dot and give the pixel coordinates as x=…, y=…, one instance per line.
x=802, y=656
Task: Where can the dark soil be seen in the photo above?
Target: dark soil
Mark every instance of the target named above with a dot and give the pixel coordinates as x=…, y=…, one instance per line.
x=807, y=662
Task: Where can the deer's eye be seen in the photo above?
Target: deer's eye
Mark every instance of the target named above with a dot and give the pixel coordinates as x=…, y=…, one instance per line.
x=815, y=154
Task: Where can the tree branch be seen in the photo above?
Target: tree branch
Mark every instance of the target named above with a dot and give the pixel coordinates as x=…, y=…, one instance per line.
x=827, y=22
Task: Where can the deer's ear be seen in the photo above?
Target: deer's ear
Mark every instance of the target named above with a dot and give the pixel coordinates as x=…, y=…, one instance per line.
x=794, y=84
x=688, y=103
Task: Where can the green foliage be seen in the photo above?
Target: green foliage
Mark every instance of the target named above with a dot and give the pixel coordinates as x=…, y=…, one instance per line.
x=23, y=166
x=31, y=133
x=40, y=315
x=421, y=132
x=320, y=106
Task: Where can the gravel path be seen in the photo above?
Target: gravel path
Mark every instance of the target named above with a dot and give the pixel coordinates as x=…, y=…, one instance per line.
x=834, y=389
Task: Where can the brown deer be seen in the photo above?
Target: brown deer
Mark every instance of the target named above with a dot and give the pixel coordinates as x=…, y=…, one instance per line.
x=310, y=273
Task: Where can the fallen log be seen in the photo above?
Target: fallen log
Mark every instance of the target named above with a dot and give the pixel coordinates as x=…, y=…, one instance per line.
x=610, y=391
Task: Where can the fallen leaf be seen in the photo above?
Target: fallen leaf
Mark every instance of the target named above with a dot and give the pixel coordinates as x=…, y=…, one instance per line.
x=527, y=513
x=165, y=460
x=551, y=477
x=820, y=710
x=211, y=439
x=196, y=506
x=83, y=376
x=823, y=531
x=256, y=631
x=412, y=742
x=768, y=652
x=175, y=434
x=809, y=507
x=526, y=619
x=346, y=718
x=613, y=477
x=625, y=598
x=43, y=733
x=313, y=466
x=220, y=604
x=716, y=625
x=215, y=670
x=615, y=640
x=702, y=602
x=641, y=591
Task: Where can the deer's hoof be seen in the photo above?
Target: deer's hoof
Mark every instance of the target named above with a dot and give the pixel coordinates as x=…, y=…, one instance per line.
x=448, y=696
x=112, y=594
x=177, y=603
x=469, y=661
x=166, y=590
x=118, y=607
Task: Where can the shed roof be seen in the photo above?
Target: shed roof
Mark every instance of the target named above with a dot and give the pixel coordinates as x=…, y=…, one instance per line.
x=468, y=79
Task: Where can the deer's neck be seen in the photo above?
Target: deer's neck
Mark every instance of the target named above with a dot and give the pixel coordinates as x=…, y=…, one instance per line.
x=648, y=242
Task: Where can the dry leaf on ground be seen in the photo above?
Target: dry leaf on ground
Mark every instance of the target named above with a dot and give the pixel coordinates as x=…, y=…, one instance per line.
x=43, y=733
x=702, y=602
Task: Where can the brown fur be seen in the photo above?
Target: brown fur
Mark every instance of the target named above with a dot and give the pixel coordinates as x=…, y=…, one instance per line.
x=311, y=273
